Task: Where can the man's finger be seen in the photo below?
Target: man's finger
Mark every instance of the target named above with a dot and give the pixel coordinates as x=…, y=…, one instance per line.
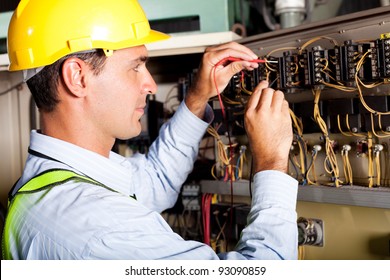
x=255, y=97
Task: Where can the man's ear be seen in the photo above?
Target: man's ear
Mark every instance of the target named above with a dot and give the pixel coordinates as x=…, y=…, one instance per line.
x=74, y=75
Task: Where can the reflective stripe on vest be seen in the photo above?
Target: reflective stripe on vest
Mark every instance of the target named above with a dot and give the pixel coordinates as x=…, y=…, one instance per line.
x=45, y=180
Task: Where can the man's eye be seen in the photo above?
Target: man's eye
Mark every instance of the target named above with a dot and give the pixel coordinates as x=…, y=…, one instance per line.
x=136, y=69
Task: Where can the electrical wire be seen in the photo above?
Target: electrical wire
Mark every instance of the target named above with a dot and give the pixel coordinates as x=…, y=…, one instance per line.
x=311, y=41
x=311, y=167
x=206, y=204
x=373, y=129
x=221, y=228
x=222, y=62
x=370, y=161
x=298, y=127
x=377, y=150
x=330, y=162
x=294, y=166
x=224, y=160
x=347, y=165
x=380, y=125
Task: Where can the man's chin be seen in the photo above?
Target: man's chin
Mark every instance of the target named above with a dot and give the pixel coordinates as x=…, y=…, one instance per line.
x=129, y=135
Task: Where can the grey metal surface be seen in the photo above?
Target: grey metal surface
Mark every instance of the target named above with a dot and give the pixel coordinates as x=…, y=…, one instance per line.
x=369, y=24
x=345, y=195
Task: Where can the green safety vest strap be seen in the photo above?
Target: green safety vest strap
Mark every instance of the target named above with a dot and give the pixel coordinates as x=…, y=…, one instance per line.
x=51, y=178
x=45, y=180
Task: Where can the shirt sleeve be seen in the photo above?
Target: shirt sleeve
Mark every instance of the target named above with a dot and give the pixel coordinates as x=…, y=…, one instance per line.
x=271, y=232
x=160, y=174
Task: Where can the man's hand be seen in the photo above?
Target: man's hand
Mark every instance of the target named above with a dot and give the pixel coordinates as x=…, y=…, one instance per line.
x=268, y=125
x=213, y=74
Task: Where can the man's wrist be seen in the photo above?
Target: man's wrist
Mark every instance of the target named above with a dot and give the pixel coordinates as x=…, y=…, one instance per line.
x=277, y=165
x=196, y=104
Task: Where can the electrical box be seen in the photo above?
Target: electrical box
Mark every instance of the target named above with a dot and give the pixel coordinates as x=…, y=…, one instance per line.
x=336, y=77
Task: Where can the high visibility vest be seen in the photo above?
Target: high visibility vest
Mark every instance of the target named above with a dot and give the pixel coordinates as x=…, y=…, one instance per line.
x=45, y=180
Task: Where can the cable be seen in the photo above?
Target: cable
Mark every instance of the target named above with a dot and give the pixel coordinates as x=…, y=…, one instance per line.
x=377, y=149
x=224, y=160
x=347, y=165
x=303, y=47
x=240, y=162
x=315, y=150
x=206, y=204
x=373, y=129
x=330, y=162
x=298, y=127
x=370, y=161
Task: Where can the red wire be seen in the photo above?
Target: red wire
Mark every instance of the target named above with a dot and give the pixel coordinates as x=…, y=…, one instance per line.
x=206, y=204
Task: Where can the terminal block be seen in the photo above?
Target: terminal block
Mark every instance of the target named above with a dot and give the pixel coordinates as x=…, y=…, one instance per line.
x=317, y=67
x=347, y=58
x=383, y=56
x=291, y=73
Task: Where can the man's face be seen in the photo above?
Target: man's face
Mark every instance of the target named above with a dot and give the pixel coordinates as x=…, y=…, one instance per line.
x=119, y=93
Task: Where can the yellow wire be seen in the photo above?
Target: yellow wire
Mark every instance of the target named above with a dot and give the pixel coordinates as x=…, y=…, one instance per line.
x=347, y=167
x=281, y=49
x=339, y=87
x=229, y=101
x=330, y=155
x=377, y=168
x=339, y=125
x=370, y=161
x=303, y=47
x=302, y=147
x=373, y=128
x=224, y=159
x=380, y=125
x=312, y=168
x=349, y=128
x=244, y=89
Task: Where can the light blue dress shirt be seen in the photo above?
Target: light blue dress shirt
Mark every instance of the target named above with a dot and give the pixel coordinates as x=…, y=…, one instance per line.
x=78, y=220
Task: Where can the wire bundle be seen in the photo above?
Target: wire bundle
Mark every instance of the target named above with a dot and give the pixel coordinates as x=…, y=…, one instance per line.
x=330, y=162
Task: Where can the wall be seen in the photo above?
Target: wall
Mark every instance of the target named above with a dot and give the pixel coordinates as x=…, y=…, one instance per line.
x=351, y=232
x=14, y=131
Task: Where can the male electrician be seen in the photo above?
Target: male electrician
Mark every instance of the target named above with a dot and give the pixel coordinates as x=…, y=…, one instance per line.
x=85, y=65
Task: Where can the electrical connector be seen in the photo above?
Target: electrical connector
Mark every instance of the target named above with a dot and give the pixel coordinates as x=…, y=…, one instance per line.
x=310, y=232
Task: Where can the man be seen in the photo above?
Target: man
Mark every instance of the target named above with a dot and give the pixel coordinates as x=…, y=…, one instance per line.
x=85, y=64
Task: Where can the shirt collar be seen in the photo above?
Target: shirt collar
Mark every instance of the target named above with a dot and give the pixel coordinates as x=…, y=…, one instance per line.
x=114, y=172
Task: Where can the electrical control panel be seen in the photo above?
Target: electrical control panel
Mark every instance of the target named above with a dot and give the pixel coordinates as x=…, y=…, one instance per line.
x=335, y=76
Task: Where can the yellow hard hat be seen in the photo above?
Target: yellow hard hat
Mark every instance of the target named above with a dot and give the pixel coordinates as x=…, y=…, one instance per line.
x=43, y=31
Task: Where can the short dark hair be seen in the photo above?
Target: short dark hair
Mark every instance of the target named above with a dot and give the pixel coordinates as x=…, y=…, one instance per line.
x=43, y=86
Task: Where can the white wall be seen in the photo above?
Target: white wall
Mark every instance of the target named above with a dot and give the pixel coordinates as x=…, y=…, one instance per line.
x=14, y=130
